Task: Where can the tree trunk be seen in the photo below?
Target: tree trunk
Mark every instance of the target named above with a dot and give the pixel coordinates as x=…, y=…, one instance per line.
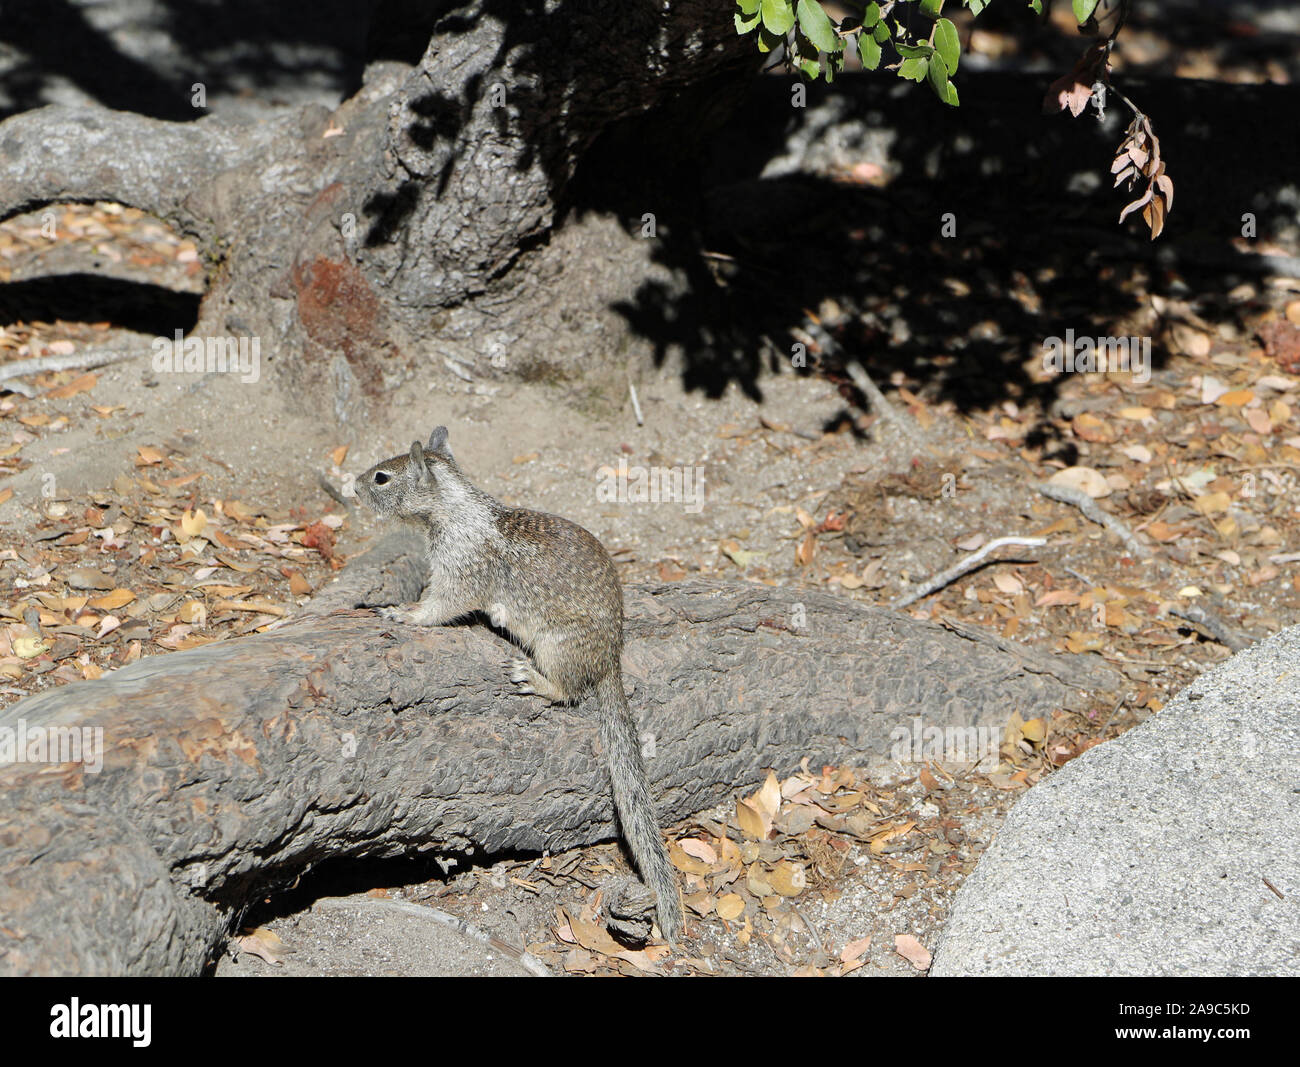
x=233, y=768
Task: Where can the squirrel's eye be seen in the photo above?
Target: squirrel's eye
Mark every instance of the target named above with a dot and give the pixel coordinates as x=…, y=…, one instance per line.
x=381, y=478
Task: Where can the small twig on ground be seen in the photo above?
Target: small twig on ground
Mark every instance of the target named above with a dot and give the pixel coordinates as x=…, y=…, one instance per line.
x=636, y=405
x=94, y=357
x=220, y=463
x=881, y=404
x=777, y=427
x=962, y=566
x=1216, y=627
x=1081, y=500
x=821, y=957
x=865, y=385
x=1072, y=572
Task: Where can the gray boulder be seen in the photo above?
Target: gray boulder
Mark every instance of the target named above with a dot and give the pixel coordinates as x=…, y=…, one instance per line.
x=1173, y=850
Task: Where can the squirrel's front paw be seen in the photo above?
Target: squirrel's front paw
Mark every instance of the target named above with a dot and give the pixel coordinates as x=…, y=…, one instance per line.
x=398, y=614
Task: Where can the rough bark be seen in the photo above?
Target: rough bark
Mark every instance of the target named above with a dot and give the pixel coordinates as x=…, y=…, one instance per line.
x=499, y=112
x=233, y=768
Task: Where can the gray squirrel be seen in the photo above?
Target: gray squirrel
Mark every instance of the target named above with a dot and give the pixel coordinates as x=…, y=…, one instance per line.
x=552, y=586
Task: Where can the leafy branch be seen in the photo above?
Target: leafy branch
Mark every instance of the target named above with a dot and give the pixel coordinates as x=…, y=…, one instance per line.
x=808, y=39
x=816, y=44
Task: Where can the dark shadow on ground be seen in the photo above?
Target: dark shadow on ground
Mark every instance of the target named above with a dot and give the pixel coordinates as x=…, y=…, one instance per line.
x=1036, y=249
x=234, y=46
x=139, y=306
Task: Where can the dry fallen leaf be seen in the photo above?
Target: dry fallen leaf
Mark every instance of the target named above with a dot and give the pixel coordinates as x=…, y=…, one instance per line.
x=1212, y=503
x=768, y=798
x=685, y=862
x=88, y=578
x=739, y=556
x=913, y=951
x=701, y=850
x=112, y=601
x=298, y=585
x=1088, y=427
x=788, y=879
x=29, y=647
x=238, y=511
x=1085, y=479
x=806, y=549
x=752, y=822
x=1258, y=420
x=1135, y=414
x=1035, y=729
x=855, y=949
x=881, y=839
x=670, y=571
x=77, y=385
x=731, y=906
x=264, y=944
x=1008, y=583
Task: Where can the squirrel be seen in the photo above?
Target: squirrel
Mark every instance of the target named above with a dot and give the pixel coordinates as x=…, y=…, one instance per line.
x=551, y=585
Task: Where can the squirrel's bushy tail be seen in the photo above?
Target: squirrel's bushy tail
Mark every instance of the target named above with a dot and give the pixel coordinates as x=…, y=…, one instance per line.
x=636, y=810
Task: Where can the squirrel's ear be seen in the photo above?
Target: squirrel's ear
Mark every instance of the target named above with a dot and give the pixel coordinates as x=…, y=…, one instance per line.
x=438, y=442
x=417, y=461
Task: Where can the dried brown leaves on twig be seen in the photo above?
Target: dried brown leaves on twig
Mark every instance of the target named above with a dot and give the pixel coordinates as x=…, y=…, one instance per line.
x=1139, y=157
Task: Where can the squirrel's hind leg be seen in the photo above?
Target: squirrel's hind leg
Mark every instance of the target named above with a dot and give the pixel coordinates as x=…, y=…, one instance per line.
x=532, y=681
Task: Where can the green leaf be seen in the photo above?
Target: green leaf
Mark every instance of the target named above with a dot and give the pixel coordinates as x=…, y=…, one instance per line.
x=976, y=6
x=947, y=44
x=931, y=9
x=938, y=74
x=768, y=41
x=817, y=27
x=913, y=69
x=742, y=26
x=1083, y=10
x=870, y=52
x=881, y=32
x=914, y=51
x=748, y=7
x=1037, y=5
x=778, y=16
x=950, y=95
x=871, y=15
x=810, y=67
